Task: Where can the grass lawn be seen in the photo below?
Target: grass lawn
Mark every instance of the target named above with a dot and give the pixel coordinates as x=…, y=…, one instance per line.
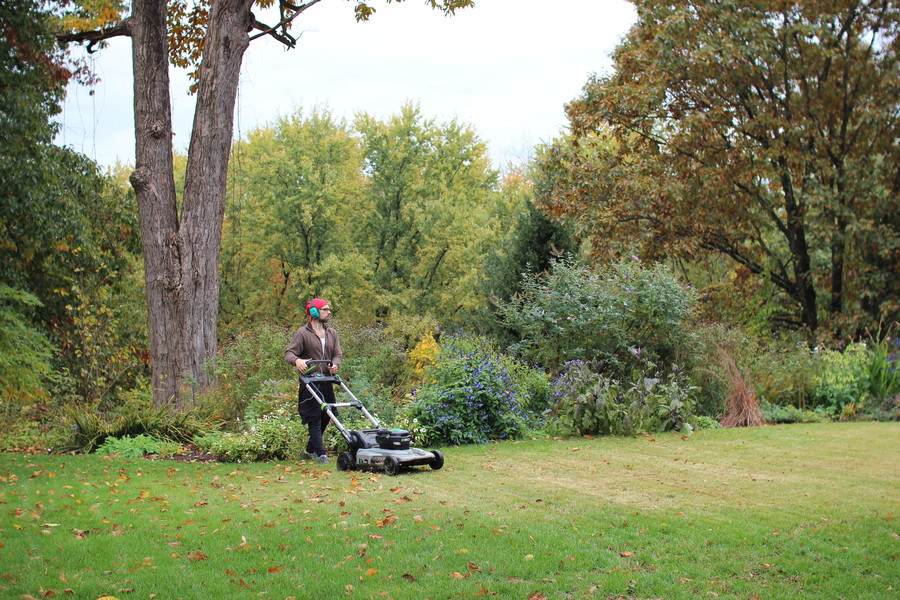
x=800, y=511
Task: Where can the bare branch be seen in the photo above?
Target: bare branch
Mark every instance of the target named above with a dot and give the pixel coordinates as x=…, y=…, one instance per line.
x=93, y=38
x=289, y=12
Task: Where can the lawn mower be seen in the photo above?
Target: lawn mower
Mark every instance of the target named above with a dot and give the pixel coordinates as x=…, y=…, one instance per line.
x=378, y=448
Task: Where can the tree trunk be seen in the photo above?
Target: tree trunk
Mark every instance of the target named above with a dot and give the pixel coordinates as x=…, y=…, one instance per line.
x=154, y=186
x=181, y=257
x=206, y=178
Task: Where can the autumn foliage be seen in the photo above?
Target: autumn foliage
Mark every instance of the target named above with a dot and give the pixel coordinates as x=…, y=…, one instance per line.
x=760, y=134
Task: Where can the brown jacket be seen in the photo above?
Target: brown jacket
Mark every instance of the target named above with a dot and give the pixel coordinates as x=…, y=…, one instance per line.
x=306, y=344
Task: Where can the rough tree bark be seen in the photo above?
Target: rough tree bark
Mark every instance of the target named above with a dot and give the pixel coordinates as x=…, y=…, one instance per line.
x=181, y=252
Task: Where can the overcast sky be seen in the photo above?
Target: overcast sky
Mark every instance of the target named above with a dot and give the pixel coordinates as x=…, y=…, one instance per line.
x=505, y=67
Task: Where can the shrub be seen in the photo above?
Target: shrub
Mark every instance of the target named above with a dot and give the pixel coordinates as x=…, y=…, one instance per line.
x=243, y=365
x=469, y=397
x=773, y=413
x=137, y=446
x=374, y=364
x=532, y=386
x=267, y=438
x=588, y=403
x=25, y=352
x=704, y=422
x=842, y=381
x=784, y=374
x=884, y=377
x=573, y=313
x=275, y=397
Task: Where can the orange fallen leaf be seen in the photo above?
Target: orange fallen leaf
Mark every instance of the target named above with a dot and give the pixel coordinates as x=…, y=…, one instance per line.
x=626, y=553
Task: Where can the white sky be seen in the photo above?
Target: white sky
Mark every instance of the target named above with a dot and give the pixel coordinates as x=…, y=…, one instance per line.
x=505, y=67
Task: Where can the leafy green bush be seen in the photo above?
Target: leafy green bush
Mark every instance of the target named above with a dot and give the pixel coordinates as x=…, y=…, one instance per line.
x=244, y=364
x=704, y=422
x=271, y=431
x=842, y=381
x=275, y=397
x=137, y=446
x=532, y=385
x=469, y=397
x=574, y=313
x=25, y=352
x=784, y=374
x=374, y=364
x=267, y=438
x=588, y=403
x=774, y=413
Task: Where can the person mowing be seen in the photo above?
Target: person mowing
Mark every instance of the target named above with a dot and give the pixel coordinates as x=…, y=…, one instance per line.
x=315, y=341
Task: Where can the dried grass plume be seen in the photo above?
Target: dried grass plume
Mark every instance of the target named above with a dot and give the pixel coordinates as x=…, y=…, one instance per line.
x=741, y=406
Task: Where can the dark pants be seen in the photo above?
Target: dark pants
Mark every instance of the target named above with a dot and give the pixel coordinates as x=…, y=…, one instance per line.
x=313, y=415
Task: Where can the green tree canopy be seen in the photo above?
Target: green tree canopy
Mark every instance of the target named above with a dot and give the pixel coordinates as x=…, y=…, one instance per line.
x=389, y=217
x=298, y=186
x=434, y=210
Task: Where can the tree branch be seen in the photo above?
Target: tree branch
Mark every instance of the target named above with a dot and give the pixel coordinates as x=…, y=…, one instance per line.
x=93, y=38
x=289, y=12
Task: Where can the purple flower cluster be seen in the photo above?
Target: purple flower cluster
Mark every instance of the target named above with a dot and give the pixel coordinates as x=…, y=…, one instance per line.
x=471, y=399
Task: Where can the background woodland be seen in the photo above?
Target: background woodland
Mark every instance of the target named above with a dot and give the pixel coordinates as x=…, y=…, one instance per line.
x=703, y=246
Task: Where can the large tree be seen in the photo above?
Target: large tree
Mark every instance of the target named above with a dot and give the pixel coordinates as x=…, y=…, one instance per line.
x=765, y=132
x=434, y=207
x=181, y=244
x=297, y=194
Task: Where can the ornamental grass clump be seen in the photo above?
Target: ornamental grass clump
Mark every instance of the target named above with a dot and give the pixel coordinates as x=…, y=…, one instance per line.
x=742, y=408
x=469, y=398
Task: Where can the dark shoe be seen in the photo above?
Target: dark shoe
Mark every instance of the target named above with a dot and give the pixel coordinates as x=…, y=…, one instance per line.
x=322, y=458
x=309, y=456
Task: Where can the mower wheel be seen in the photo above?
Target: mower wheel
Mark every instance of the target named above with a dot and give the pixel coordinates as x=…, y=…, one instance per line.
x=345, y=461
x=391, y=465
x=438, y=461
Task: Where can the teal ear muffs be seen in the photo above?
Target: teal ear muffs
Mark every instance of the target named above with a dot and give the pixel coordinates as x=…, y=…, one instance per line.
x=314, y=312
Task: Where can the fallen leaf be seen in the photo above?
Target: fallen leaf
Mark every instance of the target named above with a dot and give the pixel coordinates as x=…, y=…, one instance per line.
x=409, y=577
x=626, y=553
x=198, y=555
